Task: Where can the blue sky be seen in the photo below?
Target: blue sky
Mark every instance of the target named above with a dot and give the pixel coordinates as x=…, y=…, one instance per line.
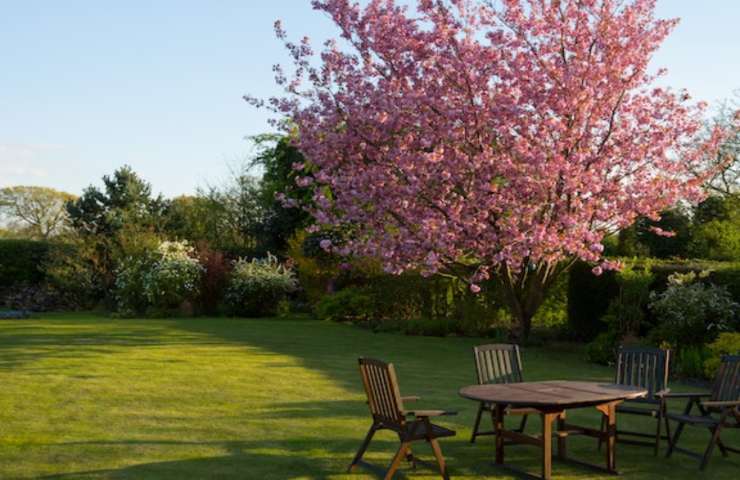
x=87, y=86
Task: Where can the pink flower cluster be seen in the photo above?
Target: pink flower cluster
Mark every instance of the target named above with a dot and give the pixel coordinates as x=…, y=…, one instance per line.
x=464, y=133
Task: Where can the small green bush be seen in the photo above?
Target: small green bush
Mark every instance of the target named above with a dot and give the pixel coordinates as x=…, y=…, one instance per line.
x=603, y=348
x=727, y=343
x=257, y=287
x=690, y=361
x=348, y=305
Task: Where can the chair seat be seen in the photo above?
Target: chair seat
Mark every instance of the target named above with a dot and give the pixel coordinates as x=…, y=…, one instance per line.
x=693, y=419
x=649, y=412
x=418, y=431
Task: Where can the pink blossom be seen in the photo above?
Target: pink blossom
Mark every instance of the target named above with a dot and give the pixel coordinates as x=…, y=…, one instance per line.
x=325, y=244
x=474, y=288
x=597, y=271
x=510, y=134
x=662, y=233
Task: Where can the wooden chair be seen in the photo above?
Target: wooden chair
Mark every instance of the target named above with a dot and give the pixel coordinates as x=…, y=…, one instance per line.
x=644, y=367
x=388, y=412
x=721, y=410
x=498, y=363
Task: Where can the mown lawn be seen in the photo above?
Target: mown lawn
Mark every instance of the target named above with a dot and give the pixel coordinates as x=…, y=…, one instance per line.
x=83, y=396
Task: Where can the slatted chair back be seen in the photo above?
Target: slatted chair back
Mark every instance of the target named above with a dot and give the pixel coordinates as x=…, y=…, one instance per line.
x=383, y=395
x=643, y=367
x=498, y=363
x=726, y=386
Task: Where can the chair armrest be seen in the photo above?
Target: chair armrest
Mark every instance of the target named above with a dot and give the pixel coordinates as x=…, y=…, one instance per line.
x=412, y=398
x=728, y=403
x=666, y=392
x=428, y=413
x=686, y=395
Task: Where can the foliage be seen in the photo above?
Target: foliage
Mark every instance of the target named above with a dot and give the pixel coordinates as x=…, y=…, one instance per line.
x=627, y=310
x=716, y=233
x=434, y=158
x=157, y=280
x=589, y=297
x=174, y=276
x=126, y=199
x=20, y=262
x=727, y=343
x=37, y=212
x=690, y=313
x=71, y=270
x=689, y=361
x=257, y=287
x=652, y=241
x=316, y=277
x=603, y=349
x=216, y=270
x=347, y=305
x=280, y=197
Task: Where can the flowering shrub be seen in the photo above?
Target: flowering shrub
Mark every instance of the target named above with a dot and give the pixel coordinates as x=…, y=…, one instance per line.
x=257, y=287
x=173, y=277
x=157, y=280
x=691, y=313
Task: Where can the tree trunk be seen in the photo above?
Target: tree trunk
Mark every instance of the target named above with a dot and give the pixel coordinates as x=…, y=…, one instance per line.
x=524, y=293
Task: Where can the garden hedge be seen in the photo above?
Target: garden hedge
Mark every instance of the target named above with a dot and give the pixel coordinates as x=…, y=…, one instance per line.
x=589, y=296
x=21, y=262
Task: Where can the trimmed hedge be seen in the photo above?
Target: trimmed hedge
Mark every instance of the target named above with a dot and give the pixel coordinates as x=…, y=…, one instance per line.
x=589, y=296
x=21, y=262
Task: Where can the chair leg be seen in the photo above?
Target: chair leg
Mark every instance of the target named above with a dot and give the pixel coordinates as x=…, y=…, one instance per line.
x=477, y=423
x=523, y=424
x=396, y=462
x=712, y=441
x=440, y=458
x=658, y=432
x=363, y=448
x=672, y=442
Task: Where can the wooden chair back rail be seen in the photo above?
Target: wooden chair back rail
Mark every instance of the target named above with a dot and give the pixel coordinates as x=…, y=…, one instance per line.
x=727, y=382
x=498, y=363
x=383, y=394
x=643, y=367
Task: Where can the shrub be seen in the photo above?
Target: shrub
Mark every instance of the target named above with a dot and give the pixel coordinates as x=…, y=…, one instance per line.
x=257, y=287
x=71, y=270
x=156, y=281
x=21, y=262
x=603, y=348
x=690, y=313
x=216, y=270
x=348, y=305
x=173, y=277
x=690, y=361
x=727, y=343
x=589, y=297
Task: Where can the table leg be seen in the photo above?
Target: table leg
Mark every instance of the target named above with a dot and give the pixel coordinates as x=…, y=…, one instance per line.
x=547, y=419
x=611, y=442
x=498, y=426
x=562, y=437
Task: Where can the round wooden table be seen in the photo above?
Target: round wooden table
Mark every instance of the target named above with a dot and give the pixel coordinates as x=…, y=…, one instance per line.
x=550, y=400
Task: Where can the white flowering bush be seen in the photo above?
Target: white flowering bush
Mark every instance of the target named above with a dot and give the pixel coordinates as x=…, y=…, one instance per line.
x=257, y=287
x=158, y=280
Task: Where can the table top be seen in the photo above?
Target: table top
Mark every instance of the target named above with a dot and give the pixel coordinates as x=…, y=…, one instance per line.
x=556, y=393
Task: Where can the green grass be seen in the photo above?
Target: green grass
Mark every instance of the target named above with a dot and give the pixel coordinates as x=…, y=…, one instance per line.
x=87, y=397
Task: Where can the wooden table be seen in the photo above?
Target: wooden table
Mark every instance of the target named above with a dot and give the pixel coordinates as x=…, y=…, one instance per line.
x=551, y=399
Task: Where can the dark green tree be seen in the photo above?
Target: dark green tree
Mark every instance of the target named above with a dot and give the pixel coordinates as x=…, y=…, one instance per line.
x=126, y=198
